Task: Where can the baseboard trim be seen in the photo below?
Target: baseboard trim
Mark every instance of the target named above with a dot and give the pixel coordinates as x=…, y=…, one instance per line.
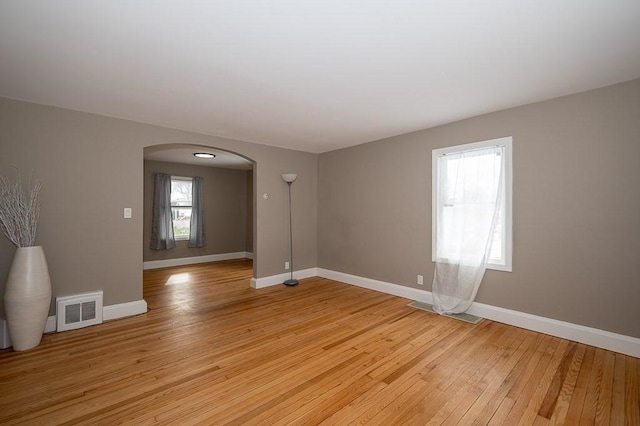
x=50, y=326
x=122, y=310
x=155, y=264
x=110, y=312
x=591, y=336
x=280, y=278
x=381, y=286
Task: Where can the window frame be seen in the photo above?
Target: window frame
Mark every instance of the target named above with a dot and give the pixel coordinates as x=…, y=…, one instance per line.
x=182, y=178
x=507, y=143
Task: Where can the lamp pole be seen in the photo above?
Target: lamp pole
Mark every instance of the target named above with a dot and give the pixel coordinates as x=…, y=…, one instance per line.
x=289, y=178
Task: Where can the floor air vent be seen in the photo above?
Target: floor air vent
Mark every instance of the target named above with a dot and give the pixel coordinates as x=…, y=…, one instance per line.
x=79, y=311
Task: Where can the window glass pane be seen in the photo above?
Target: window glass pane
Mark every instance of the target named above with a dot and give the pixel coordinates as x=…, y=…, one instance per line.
x=498, y=254
x=497, y=246
x=474, y=201
x=181, y=207
x=181, y=221
x=180, y=192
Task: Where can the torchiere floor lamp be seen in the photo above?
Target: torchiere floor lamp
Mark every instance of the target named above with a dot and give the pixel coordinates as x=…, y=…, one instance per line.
x=289, y=178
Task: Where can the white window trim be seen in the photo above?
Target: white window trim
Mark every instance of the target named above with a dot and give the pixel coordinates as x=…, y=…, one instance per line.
x=507, y=142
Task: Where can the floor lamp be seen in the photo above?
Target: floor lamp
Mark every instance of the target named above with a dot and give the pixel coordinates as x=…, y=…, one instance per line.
x=289, y=178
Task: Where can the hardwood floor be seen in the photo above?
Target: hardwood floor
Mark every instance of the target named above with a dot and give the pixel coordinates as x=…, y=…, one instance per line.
x=211, y=350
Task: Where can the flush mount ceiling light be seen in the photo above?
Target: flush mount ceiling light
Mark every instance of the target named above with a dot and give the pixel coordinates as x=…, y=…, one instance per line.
x=204, y=155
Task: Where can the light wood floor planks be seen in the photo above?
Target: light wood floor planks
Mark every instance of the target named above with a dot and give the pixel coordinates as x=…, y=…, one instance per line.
x=211, y=350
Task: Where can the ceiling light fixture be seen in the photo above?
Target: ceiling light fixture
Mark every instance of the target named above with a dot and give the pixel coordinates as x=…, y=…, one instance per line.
x=204, y=155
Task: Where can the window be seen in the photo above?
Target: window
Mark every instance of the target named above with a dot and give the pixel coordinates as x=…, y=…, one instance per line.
x=446, y=164
x=181, y=204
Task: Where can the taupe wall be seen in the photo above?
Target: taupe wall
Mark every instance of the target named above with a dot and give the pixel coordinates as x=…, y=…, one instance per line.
x=576, y=207
x=92, y=167
x=225, y=210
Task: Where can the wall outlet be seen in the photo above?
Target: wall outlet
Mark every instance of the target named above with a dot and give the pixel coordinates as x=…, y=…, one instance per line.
x=420, y=280
x=286, y=265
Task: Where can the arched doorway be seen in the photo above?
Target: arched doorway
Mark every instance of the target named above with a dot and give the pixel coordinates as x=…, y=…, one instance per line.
x=229, y=205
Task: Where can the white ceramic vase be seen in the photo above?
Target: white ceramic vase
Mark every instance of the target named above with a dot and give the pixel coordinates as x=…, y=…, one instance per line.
x=27, y=297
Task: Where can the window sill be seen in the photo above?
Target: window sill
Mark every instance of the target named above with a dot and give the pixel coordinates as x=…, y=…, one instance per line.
x=493, y=267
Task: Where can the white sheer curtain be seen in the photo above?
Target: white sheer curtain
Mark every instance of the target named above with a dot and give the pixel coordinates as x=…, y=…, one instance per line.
x=470, y=187
x=162, y=224
x=196, y=230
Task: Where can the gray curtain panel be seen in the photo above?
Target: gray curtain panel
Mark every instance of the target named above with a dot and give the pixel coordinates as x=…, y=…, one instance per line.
x=162, y=225
x=196, y=232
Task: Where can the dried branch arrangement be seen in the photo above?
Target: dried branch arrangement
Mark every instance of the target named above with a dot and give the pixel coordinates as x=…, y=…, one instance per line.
x=20, y=210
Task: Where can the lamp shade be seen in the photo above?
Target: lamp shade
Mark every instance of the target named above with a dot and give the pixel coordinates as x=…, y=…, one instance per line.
x=289, y=177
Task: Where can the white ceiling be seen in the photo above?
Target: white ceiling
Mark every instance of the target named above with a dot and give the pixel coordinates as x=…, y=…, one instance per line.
x=312, y=76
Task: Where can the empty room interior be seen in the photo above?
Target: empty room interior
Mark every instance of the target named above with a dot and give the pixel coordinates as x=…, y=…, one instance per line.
x=400, y=212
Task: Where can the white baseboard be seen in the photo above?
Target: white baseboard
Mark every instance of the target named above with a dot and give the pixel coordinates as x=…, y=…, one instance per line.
x=5, y=341
x=110, y=312
x=122, y=310
x=50, y=326
x=280, y=278
x=591, y=336
x=154, y=264
x=381, y=286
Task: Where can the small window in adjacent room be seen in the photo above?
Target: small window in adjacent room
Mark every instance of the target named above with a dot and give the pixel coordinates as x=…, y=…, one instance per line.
x=181, y=203
x=447, y=166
